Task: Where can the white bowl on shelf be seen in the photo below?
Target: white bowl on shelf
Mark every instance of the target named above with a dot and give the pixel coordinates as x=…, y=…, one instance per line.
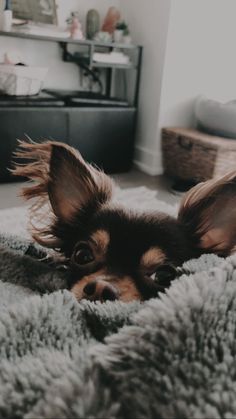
x=19, y=80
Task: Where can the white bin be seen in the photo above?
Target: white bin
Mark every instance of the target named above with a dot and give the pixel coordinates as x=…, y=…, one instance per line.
x=17, y=80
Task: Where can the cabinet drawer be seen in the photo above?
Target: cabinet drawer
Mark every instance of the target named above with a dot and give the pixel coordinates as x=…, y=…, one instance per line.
x=37, y=123
x=104, y=136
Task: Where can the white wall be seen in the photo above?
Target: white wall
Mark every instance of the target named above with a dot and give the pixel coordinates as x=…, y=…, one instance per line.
x=148, y=21
x=200, y=58
x=64, y=75
x=189, y=49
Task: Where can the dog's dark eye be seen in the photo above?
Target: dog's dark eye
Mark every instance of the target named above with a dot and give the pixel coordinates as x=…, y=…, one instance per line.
x=164, y=275
x=83, y=255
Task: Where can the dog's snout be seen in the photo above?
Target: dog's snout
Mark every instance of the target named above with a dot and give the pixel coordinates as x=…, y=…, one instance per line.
x=100, y=290
x=90, y=288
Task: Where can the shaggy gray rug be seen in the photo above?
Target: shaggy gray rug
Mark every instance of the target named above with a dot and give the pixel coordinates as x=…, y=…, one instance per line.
x=171, y=357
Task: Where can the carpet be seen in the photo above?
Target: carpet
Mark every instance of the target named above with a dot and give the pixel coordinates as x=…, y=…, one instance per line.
x=170, y=357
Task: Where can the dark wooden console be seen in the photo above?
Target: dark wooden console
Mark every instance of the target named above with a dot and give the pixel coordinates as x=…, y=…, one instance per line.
x=103, y=133
x=104, y=136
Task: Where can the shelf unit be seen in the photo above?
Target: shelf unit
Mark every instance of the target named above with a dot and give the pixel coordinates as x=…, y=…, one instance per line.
x=20, y=34
x=104, y=135
x=92, y=46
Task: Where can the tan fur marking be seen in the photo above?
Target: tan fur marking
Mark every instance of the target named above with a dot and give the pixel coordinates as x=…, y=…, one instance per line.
x=128, y=290
x=102, y=239
x=125, y=286
x=152, y=257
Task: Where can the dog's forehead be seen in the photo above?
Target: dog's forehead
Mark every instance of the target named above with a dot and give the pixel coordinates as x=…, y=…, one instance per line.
x=126, y=229
x=101, y=238
x=124, y=236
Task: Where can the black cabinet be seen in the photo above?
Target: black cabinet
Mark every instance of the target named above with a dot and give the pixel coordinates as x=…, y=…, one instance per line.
x=100, y=126
x=104, y=136
x=36, y=123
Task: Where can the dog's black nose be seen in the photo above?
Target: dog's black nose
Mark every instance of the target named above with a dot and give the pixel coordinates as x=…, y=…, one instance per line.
x=100, y=290
x=90, y=288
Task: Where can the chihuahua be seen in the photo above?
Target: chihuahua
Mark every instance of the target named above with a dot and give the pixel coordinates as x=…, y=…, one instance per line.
x=112, y=253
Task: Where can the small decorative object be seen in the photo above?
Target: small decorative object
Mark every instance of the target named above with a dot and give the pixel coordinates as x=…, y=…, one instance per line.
x=103, y=37
x=7, y=17
x=75, y=26
x=114, y=57
x=12, y=57
x=111, y=19
x=92, y=23
x=40, y=11
x=119, y=31
x=126, y=36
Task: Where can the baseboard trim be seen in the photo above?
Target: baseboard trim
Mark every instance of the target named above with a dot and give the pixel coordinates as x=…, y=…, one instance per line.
x=147, y=161
x=147, y=169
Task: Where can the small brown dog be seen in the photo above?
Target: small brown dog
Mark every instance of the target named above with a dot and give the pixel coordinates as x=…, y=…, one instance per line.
x=113, y=253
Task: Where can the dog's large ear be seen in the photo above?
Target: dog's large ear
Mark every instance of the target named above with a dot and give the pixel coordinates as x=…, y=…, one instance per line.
x=208, y=215
x=62, y=176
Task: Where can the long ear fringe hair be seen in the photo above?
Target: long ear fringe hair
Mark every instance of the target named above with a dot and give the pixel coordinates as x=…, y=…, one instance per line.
x=36, y=167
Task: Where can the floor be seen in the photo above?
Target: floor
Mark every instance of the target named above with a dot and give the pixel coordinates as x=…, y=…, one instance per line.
x=9, y=192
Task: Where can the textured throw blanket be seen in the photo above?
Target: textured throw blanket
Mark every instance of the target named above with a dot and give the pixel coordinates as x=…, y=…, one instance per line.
x=171, y=357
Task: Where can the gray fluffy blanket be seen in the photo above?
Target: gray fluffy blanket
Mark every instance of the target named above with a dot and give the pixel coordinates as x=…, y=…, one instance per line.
x=171, y=357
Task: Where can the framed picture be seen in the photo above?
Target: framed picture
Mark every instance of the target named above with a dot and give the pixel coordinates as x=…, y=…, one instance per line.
x=39, y=11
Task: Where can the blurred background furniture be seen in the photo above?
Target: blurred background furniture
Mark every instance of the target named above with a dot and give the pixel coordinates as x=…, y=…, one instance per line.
x=192, y=156
x=100, y=124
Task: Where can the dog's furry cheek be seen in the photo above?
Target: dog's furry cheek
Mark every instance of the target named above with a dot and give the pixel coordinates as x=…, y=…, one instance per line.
x=128, y=290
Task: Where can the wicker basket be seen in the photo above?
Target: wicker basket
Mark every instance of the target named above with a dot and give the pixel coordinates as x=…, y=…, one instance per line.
x=191, y=155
